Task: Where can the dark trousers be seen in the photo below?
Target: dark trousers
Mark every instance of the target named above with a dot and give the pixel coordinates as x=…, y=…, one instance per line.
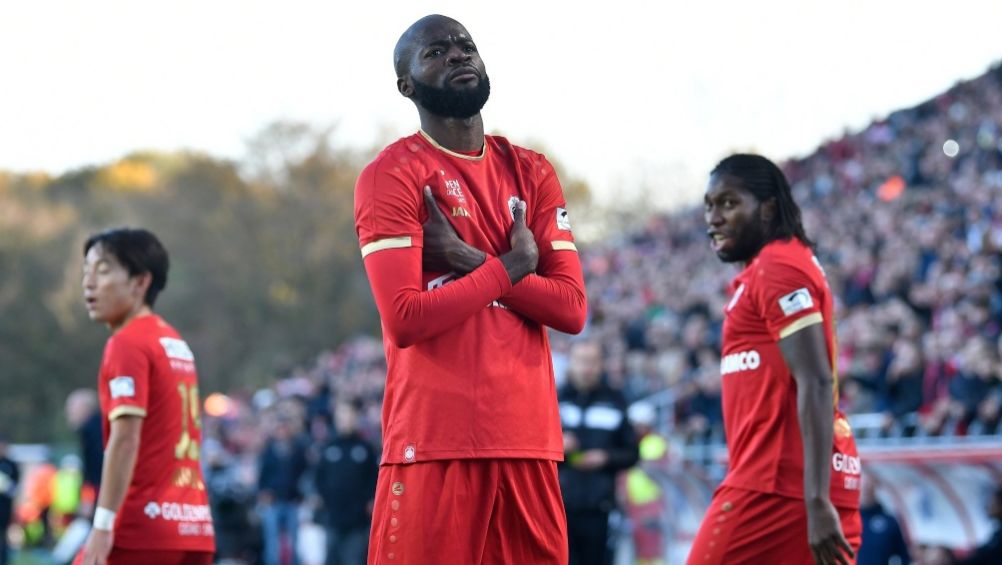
x=6, y=507
x=347, y=546
x=588, y=537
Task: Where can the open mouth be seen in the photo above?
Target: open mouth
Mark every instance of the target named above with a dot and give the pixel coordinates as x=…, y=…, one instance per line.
x=718, y=240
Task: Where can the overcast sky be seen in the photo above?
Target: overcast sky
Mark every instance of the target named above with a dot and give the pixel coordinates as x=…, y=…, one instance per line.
x=633, y=92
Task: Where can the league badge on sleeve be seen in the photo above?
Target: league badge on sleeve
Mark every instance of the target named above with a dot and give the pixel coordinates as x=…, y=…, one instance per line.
x=122, y=387
x=796, y=301
x=563, y=220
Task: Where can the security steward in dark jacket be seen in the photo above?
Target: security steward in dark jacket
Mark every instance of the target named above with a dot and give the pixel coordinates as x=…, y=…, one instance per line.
x=598, y=443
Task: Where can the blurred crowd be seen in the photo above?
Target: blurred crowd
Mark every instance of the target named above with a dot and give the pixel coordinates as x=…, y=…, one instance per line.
x=907, y=218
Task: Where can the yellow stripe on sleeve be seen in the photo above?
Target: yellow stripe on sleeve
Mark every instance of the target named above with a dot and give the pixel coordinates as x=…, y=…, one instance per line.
x=800, y=324
x=563, y=246
x=126, y=411
x=388, y=243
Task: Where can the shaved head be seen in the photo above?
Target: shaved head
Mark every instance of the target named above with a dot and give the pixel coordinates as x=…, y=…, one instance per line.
x=404, y=49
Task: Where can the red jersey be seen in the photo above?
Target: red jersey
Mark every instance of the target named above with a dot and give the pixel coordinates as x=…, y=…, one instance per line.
x=469, y=368
x=149, y=371
x=780, y=292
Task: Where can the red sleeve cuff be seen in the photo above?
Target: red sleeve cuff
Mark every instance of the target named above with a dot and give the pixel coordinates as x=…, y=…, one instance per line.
x=495, y=268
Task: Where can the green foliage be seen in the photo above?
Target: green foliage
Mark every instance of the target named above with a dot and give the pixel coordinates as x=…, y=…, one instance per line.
x=265, y=268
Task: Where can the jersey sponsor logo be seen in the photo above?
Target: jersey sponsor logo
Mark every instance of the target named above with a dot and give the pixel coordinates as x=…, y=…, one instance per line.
x=734, y=299
x=796, y=301
x=848, y=464
x=743, y=361
x=178, y=512
x=176, y=349
x=122, y=387
x=453, y=189
x=460, y=212
x=563, y=220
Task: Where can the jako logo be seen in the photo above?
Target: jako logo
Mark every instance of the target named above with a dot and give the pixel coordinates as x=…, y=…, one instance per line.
x=744, y=361
x=846, y=463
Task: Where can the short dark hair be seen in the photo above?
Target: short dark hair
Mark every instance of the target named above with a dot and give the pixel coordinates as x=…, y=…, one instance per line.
x=139, y=251
x=765, y=180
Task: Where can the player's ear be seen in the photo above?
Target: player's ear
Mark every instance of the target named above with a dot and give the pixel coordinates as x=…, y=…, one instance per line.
x=143, y=282
x=768, y=211
x=405, y=87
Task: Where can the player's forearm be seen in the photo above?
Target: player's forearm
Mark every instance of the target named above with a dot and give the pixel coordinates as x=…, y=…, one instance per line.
x=116, y=475
x=411, y=315
x=816, y=417
x=555, y=297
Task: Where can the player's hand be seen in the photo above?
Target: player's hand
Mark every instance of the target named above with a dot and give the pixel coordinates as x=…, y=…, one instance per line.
x=443, y=250
x=524, y=255
x=98, y=547
x=824, y=534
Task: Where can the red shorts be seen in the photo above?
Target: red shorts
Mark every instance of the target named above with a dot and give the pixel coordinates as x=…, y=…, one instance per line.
x=120, y=556
x=744, y=526
x=469, y=511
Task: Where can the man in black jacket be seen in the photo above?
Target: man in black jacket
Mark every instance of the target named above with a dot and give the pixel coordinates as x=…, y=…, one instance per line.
x=598, y=443
x=346, y=481
x=282, y=464
x=883, y=540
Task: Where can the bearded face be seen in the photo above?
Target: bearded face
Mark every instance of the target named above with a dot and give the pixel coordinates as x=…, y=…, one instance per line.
x=452, y=102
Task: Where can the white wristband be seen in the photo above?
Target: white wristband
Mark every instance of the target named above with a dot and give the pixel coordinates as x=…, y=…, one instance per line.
x=104, y=519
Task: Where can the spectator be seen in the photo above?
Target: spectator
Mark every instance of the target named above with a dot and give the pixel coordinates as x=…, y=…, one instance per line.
x=84, y=417
x=282, y=464
x=599, y=442
x=346, y=482
x=990, y=552
x=883, y=542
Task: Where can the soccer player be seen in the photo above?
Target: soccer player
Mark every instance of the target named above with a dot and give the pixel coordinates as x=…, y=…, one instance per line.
x=152, y=506
x=791, y=494
x=468, y=249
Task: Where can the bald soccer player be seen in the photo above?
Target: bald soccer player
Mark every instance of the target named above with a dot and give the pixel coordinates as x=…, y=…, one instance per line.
x=468, y=248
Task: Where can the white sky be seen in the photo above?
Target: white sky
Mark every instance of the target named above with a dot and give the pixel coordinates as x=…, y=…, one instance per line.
x=627, y=93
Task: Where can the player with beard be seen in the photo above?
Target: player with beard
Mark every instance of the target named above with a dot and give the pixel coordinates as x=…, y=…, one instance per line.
x=791, y=494
x=468, y=249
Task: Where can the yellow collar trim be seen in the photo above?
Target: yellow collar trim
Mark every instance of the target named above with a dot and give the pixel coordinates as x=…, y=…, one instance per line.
x=483, y=152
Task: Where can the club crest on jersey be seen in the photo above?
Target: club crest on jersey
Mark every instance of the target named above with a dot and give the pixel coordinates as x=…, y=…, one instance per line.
x=796, y=301
x=152, y=509
x=453, y=189
x=563, y=220
x=122, y=387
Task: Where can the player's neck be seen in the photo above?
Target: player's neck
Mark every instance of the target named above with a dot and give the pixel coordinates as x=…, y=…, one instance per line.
x=453, y=133
x=139, y=311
